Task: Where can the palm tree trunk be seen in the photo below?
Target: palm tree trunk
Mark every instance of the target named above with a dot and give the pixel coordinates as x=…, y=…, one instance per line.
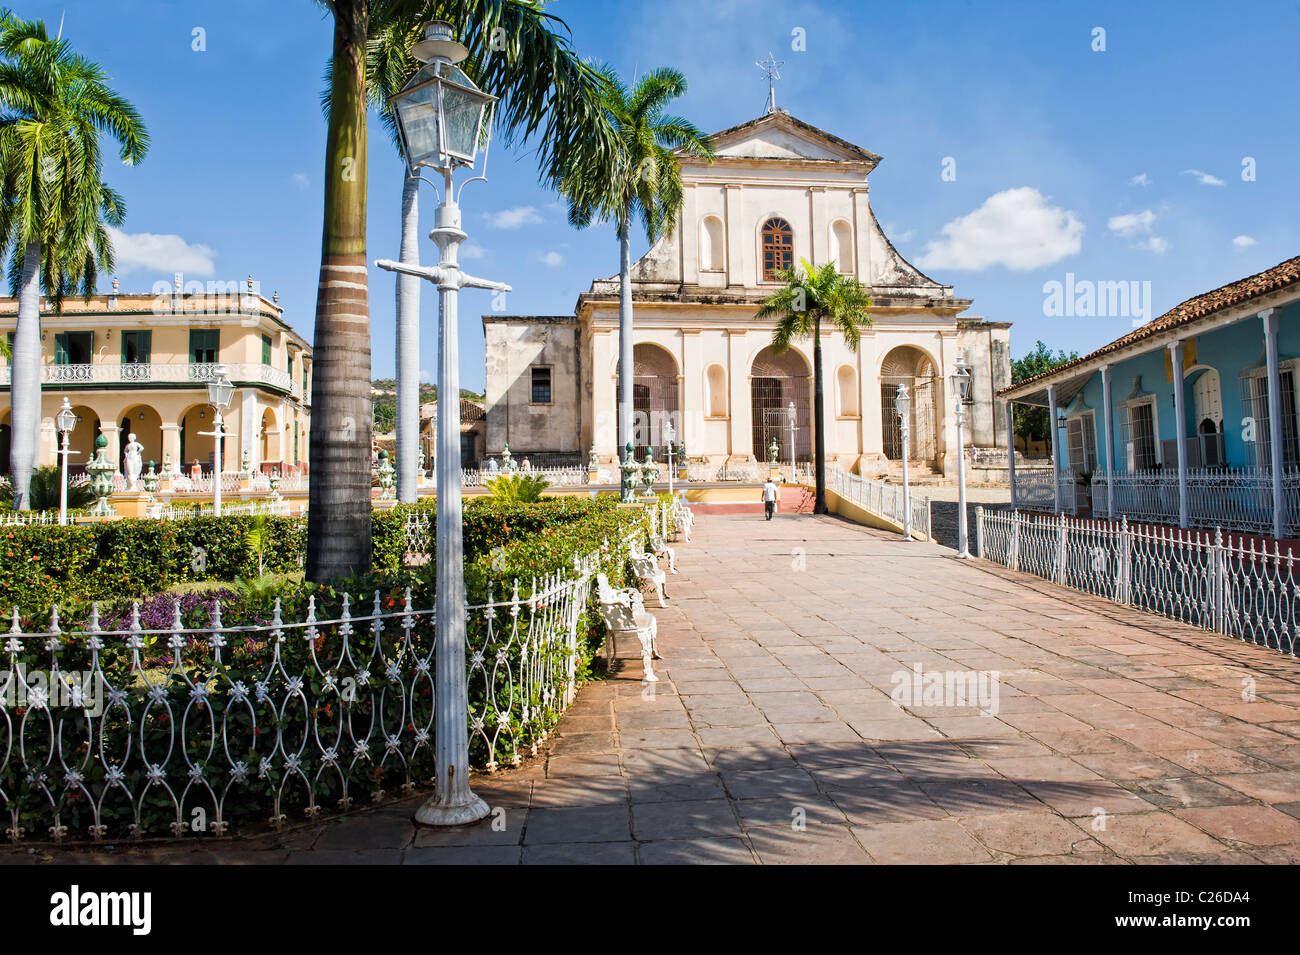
x=25, y=381
x=338, y=523
x=625, y=332
x=819, y=506
x=408, y=348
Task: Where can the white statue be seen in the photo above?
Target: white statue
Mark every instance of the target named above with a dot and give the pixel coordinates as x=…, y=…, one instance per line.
x=133, y=462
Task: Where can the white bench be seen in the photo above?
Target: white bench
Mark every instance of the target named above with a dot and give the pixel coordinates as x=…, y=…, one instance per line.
x=623, y=610
x=683, y=520
x=647, y=570
x=659, y=547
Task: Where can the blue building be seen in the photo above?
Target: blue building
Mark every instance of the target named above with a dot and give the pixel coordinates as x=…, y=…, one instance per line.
x=1189, y=419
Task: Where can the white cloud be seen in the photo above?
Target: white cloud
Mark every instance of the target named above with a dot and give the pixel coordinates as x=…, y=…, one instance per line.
x=1141, y=179
x=472, y=251
x=552, y=259
x=1157, y=244
x=907, y=236
x=300, y=180
x=1017, y=228
x=160, y=253
x=1204, y=178
x=1132, y=223
x=514, y=218
x=1242, y=241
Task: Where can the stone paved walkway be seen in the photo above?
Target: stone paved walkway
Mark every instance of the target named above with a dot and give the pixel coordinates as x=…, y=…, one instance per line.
x=771, y=738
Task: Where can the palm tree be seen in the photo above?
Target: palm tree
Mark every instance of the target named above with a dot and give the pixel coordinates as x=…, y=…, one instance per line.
x=546, y=95
x=809, y=297
x=641, y=177
x=54, y=204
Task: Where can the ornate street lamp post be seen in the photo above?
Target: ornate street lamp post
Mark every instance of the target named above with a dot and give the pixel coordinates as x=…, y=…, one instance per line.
x=792, y=416
x=443, y=119
x=960, y=381
x=220, y=391
x=670, y=435
x=903, y=408
x=66, y=420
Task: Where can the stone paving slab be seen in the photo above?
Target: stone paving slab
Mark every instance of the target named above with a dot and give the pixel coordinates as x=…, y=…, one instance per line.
x=772, y=738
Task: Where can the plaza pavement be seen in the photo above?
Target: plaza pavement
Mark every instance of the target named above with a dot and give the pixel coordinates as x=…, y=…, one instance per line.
x=771, y=738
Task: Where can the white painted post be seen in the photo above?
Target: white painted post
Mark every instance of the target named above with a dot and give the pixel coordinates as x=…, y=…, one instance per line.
x=1180, y=424
x=1054, y=435
x=979, y=530
x=1270, y=318
x=1060, y=549
x=1015, y=540
x=1011, y=451
x=1110, y=440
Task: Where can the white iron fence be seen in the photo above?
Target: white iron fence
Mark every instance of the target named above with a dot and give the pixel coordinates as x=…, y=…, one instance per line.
x=1243, y=588
x=883, y=500
x=1238, y=500
x=115, y=729
x=1035, y=489
x=557, y=477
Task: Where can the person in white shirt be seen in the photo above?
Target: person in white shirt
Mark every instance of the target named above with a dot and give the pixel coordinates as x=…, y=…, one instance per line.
x=769, y=499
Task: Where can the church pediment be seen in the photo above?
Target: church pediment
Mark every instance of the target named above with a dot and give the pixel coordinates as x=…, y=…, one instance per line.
x=779, y=136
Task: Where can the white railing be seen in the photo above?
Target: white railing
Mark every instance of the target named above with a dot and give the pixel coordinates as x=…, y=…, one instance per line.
x=1034, y=489
x=1239, y=588
x=150, y=373
x=1236, y=500
x=883, y=500
x=173, y=511
x=139, y=724
x=24, y=518
x=558, y=477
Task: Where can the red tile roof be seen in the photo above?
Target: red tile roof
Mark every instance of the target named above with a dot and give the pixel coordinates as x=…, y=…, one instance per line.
x=1278, y=277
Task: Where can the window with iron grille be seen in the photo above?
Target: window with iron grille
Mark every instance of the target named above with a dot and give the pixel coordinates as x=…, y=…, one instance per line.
x=1254, y=396
x=778, y=249
x=1138, y=435
x=541, y=385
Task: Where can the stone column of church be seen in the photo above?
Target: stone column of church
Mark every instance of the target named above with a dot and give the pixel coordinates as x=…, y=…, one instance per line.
x=947, y=408
x=693, y=396
x=873, y=443
x=688, y=230
x=820, y=231
x=604, y=396
x=862, y=232
x=735, y=240
x=738, y=374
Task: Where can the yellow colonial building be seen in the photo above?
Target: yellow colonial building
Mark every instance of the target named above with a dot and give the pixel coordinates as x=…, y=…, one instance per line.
x=140, y=364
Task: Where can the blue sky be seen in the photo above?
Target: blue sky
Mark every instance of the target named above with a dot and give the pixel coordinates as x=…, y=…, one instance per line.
x=1122, y=164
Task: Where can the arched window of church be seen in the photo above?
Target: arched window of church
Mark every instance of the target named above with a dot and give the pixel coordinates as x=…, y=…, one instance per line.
x=847, y=379
x=778, y=249
x=842, y=246
x=712, y=256
x=717, y=389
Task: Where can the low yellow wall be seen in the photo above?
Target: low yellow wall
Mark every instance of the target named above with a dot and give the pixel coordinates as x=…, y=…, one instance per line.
x=860, y=515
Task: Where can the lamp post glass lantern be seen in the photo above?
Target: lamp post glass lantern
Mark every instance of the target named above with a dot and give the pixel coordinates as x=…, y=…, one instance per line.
x=220, y=391
x=66, y=420
x=903, y=408
x=961, y=390
x=443, y=119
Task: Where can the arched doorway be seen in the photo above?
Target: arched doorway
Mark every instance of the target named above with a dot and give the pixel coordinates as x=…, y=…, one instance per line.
x=146, y=424
x=195, y=445
x=775, y=381
x=82, y=439
x=271, y=443
x=907, y=365
x=654, y=398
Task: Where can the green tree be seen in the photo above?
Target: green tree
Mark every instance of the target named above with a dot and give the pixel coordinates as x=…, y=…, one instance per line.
x=546, y=95
x=809, y=297
x=641, y=177
x=54, y=204
x=1030, y=422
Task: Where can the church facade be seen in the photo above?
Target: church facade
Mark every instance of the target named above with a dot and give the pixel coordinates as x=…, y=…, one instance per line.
x=779, y=191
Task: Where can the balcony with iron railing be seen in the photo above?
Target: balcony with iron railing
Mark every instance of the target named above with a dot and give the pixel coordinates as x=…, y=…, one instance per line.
x=143, y=374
